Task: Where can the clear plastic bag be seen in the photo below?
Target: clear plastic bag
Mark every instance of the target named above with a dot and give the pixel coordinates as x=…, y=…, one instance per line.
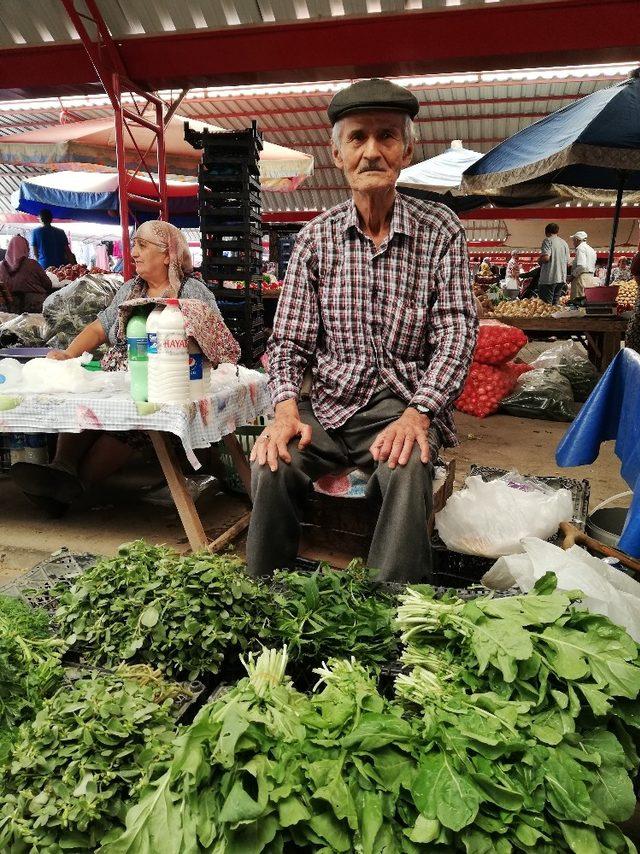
x=25, y=330
x=606, y=590
x=77, y=304
x=541, y=393
x=571, y=360
x=492, y=518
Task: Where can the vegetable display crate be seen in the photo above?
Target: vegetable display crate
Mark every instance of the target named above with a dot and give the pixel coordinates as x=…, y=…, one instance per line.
x=35, y=586
x=455, y=569
x=186, y=703
x=246, y=436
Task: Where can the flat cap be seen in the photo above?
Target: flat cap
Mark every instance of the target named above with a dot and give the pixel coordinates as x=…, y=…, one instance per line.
x=374, y=94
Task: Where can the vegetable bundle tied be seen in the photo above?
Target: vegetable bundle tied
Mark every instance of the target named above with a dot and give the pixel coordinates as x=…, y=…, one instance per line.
x=528, y=708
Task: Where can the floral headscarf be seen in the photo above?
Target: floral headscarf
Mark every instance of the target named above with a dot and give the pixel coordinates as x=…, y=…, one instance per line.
x=170, y=239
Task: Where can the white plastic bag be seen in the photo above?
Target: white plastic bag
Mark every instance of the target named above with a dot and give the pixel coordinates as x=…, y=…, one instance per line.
x=50, y=376
x=490, y=519
x=606, y=590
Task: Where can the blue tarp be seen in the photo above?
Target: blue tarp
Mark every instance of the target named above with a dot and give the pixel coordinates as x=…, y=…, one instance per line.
x=612, y=412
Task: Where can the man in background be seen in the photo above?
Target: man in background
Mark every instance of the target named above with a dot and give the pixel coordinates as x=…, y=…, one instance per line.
x=584, y=265
x=49, y=244
x=554, y=262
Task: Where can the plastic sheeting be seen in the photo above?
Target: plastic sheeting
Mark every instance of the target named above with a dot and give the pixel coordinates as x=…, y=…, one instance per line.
x=612, y=412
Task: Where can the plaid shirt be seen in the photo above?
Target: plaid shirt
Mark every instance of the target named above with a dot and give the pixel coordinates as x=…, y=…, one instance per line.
x=401, y=316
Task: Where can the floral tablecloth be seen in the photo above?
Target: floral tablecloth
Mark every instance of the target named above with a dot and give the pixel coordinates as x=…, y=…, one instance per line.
x=238, y=396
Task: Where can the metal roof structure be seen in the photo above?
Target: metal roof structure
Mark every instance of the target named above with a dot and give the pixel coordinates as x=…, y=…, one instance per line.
x=180, y=43
x=481, y=109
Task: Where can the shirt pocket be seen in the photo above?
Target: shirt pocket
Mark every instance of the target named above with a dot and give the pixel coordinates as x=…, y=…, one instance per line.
x=408, y=328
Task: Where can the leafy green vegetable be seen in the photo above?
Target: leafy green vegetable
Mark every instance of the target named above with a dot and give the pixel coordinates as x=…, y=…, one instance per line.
x=525, y=706
x=73, y=770
x=332, y=613
x=177, y=613
x=266, y=768
x=30, y=667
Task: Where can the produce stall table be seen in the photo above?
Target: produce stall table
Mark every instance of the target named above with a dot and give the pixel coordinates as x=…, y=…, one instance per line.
x=603, y=335
x=238, y=397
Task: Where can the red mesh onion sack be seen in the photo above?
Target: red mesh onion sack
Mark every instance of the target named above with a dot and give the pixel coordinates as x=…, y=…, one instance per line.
x=498, y=343
x=485, y=387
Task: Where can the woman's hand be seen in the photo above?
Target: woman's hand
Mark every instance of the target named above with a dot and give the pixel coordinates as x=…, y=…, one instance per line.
x=60, y=355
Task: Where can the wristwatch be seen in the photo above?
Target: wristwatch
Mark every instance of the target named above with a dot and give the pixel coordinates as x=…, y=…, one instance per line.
x=424, y=411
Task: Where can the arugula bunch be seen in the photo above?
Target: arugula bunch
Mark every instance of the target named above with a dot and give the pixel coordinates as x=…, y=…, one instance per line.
x=329, y=614
x=265, y=768
x=73, y=769
x=526, y=706
x=177, y=613
x=30, y=667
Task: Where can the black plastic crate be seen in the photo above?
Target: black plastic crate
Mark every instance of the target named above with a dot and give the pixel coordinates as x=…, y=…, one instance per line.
x=186, y=704
x=36, y=585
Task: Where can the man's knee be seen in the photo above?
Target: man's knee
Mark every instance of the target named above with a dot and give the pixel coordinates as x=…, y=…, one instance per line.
x=413, y=470
x=263, y=478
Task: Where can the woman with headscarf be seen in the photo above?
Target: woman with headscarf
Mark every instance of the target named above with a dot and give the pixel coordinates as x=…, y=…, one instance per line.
x=24, y=284
x=163, y=266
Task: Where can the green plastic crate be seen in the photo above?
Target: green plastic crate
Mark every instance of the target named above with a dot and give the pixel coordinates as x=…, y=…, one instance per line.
x=246, y=436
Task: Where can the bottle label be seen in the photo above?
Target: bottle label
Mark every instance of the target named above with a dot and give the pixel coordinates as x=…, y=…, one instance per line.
x=137, y=349
x=195, y=366
x=170, y=344
x=152, y=343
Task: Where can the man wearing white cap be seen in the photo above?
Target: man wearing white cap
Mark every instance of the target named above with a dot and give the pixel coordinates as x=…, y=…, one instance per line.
x=584, y=265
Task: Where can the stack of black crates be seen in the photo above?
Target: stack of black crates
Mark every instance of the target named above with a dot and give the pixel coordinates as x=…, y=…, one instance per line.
x=231, y=230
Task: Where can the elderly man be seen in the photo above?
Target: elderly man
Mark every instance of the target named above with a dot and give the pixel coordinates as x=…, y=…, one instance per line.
x=583, y=267
x=377, y=306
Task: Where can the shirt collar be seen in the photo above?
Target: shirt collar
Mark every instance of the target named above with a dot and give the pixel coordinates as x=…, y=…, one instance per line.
x=400, y=219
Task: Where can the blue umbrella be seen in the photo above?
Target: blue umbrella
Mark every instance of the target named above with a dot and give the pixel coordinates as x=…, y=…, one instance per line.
x=593, y=143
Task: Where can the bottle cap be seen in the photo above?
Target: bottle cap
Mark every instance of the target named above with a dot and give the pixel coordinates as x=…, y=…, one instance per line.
x=173, y=302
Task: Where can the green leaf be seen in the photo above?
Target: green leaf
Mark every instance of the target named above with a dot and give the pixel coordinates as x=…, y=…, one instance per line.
x=327, y=826
x=150, y=617
x=566, y=793
x=252, y=838
x=501, y=643
x=503, y=797
x=440, y=792
x=424, y=830
x=580, y=839
x=291, y=811
x=612, y=791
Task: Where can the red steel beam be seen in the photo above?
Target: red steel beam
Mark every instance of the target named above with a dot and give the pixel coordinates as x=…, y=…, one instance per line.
x=289, y=216
x=561, y=32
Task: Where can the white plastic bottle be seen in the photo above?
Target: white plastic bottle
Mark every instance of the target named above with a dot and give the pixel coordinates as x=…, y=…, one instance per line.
x=152, y=351
x=172, y=360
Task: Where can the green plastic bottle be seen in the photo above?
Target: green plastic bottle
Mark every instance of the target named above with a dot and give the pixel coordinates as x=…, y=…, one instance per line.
x=137, y=353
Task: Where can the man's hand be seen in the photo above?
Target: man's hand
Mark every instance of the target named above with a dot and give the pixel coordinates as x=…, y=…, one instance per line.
x=60, y=355
x=396, y=441
x=271, y=445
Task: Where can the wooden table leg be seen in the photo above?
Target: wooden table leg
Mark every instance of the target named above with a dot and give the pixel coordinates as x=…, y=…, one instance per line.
x=239, y=460
x=189, y=517
x=610, y=348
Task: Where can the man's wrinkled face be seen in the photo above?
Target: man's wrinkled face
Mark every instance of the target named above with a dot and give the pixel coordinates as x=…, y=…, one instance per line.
x=372, y=150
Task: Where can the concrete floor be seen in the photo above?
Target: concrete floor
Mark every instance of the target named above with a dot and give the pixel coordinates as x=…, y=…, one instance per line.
x=27, y=537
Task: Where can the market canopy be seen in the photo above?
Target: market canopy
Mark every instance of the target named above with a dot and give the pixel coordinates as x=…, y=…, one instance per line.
x=589, y=144
x=93, y=197
x=93, y=142
x=440, y=174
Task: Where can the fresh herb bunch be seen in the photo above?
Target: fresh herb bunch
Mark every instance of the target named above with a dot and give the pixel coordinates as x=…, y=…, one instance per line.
x=267, y=769
x=529, y=715
x=330, y=614
x=30, y=667
x=74, y=769
x=176, y=613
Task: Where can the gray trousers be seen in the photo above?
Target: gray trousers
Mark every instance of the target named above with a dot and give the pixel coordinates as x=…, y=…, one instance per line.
x=400, y=550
